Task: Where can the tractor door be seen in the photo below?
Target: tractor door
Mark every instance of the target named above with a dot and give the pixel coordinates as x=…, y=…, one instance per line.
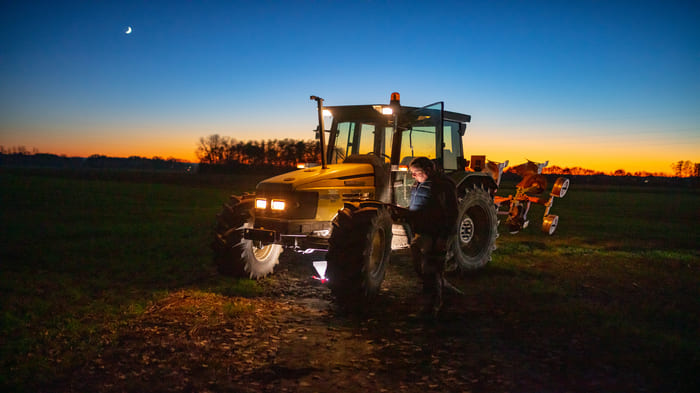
x=420, y=133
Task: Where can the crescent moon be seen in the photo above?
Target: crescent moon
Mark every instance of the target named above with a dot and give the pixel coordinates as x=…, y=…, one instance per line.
x=128, y=30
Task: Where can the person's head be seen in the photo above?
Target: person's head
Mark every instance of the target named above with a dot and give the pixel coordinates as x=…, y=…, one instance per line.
x=421, y=168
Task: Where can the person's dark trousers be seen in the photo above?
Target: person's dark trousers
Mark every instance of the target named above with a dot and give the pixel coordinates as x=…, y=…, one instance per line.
x=429, y=263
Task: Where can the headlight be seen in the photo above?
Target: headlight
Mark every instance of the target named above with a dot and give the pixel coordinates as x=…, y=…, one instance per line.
x=261, y=203
x=277, y=204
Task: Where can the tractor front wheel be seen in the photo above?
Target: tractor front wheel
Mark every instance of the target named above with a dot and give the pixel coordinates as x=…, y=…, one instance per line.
x=235, y=255
x=358, y=251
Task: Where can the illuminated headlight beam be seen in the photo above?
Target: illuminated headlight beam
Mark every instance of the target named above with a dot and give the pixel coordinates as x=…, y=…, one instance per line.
x=261, y=203
x=320, y=267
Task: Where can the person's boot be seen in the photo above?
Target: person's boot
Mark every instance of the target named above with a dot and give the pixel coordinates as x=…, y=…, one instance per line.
x=451, y=288
x=431, y=293
x=436, y=301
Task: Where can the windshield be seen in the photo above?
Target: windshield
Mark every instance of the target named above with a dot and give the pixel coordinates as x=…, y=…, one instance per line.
x=353, y=137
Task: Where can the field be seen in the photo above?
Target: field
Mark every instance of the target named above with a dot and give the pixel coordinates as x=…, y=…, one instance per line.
x=107, y=285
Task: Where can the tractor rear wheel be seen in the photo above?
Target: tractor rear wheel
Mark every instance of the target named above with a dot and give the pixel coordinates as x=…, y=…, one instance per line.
x=235, y=255
x=358, y=251
x=477, y=229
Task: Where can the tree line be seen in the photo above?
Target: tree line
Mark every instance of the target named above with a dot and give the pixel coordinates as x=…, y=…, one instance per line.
x=225, y=151
x=222, y=150
x=20, y=157
x=578, y=171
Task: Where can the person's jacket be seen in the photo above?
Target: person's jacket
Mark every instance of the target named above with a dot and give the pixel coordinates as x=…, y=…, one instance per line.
x=433, y=207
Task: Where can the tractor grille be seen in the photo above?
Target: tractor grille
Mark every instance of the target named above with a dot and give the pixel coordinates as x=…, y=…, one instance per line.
x=299, y=205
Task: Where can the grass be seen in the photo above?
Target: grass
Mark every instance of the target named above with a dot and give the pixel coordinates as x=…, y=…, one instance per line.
x=234, y=309
x=617, y=286
x=82, y=257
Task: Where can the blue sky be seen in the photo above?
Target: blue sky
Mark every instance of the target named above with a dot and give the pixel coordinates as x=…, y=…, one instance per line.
x=597, y=84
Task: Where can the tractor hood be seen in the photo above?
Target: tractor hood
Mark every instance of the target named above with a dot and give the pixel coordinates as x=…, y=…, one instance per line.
x=316, y=178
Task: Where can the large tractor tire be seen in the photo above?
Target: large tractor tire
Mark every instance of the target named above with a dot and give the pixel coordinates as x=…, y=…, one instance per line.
x=477, y=229
x=358, y=252
x=235, y=255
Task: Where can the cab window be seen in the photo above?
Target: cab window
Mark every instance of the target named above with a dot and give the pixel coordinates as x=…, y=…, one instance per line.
x=421, y=133
x=386, y=143
x=451, y=145
x=416, y=142
x=343, y=142
x=366, y=139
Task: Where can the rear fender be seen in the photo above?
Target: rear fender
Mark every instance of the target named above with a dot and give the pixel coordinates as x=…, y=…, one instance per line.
x=467, y=180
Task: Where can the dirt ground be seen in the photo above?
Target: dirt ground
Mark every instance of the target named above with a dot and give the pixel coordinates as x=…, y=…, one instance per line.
x=294, y=339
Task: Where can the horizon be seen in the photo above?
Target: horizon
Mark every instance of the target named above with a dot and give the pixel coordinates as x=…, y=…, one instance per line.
x=603, y=86
x=551, y=168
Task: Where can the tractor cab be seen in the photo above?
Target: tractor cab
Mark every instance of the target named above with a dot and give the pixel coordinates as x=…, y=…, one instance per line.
x=389, y=136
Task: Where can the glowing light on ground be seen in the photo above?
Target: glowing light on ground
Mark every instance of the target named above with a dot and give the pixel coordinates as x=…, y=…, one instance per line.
x=320, y=267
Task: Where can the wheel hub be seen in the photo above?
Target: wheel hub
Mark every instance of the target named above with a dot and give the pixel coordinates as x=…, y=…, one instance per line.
x=466, y=230
x=260, y=251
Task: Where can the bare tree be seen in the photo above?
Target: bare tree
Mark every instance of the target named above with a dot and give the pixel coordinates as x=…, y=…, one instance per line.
x=688, y=169
x=216, y=149
x=212, y=149
x=683, y=168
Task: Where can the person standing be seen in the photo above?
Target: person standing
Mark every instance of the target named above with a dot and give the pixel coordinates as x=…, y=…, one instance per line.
x=432, y=215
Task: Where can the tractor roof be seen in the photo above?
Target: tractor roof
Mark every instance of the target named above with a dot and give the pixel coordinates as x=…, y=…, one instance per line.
x=369, y=112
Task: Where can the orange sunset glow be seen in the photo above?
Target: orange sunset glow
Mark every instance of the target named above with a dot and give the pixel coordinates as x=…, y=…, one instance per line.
x=601, y=154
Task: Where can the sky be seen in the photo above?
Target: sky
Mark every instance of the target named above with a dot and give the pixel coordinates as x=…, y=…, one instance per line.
x=603, y=85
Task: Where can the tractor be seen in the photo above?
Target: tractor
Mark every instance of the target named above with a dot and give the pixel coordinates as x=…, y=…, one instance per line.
x=341, y=205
